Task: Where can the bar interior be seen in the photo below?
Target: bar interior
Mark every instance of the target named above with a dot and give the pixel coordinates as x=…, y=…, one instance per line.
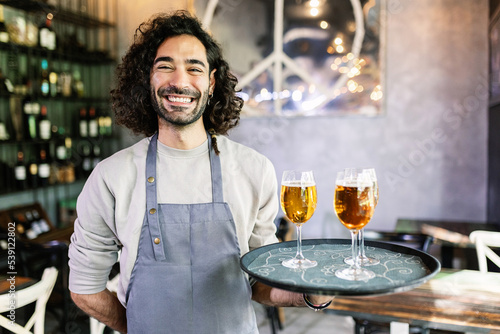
x=384, y=112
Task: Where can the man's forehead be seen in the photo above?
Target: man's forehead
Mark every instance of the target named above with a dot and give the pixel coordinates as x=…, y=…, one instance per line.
x=182, y=47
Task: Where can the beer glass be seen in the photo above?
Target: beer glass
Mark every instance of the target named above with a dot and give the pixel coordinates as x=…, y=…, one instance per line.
x=365, y=260
x=354, y=204
x=298, y=202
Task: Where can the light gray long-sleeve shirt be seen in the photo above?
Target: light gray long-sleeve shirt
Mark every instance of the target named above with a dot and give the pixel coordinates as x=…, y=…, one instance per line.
x=112, y=204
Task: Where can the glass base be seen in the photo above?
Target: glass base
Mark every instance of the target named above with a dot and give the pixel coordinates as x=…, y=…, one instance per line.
x=363, y=261
x=353, y=274
x=299, y=264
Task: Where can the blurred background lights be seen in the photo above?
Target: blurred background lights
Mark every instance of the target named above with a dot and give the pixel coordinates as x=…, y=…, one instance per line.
x=314, y=3
x=376, y=94
x=297, y=95
x=352, y=86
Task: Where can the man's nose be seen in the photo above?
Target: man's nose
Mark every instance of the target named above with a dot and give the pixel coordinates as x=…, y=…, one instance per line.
x=179, y=79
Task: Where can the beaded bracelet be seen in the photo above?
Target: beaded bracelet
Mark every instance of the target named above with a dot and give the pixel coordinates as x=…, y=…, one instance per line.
x=316, y=308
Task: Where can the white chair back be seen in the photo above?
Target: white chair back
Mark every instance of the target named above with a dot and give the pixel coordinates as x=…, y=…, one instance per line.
x=484, y=240
x=39, y=293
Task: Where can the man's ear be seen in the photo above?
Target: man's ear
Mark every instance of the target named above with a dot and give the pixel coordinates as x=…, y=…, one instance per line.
x=212, y=81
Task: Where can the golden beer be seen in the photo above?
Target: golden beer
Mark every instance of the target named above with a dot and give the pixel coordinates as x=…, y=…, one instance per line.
x=354, y=205
x=298, y=201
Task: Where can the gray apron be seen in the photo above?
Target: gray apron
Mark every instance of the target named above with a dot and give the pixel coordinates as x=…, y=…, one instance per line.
x=187, y=277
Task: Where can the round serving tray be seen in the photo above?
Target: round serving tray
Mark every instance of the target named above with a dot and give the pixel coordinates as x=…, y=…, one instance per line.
x=401, y=268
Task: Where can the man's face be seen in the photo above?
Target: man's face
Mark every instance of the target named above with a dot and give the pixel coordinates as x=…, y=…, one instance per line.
x=180, y=80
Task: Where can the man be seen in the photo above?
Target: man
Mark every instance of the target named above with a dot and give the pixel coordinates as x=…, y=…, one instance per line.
x=179, y=206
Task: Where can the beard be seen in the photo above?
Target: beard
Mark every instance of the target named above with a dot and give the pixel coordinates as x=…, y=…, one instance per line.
x=177, y=115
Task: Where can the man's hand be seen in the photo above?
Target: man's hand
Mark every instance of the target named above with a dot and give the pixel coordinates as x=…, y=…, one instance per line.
x=269, y=296
x=319, y=299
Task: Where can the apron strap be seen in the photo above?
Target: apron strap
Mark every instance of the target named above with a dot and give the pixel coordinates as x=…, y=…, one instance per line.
x=151, y=200
x=215, y=168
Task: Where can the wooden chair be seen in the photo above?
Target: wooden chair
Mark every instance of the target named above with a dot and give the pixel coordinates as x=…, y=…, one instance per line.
x=415, y=240
x=484, y=240
x=38, y=293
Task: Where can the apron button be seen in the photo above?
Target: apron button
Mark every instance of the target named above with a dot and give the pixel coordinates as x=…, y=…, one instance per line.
x=157, y=241
x=152, y=211
x=151, y=179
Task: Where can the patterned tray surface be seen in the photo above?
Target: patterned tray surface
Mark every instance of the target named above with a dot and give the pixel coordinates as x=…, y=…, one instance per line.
x=400, y=269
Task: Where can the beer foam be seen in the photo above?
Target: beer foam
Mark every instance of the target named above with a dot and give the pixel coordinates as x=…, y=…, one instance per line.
x=298, y=184
x=355, y=183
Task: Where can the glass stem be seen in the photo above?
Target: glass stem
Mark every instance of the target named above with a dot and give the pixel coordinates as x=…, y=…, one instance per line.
x=355, y=258
x=299, y=255
x=362, y=244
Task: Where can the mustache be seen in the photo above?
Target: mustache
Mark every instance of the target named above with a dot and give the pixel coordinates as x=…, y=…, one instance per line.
x=178, y=91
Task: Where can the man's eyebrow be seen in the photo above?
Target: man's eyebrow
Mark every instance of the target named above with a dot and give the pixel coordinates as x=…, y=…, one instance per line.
x=188, y=61
x=159, y=59
x=195, y=61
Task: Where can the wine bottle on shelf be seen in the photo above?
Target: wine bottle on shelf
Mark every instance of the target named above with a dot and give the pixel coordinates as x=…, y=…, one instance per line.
x=6, y=177
x=93, y=125
x=44, y=78
x=33, y=172
x=64, y=84
x=20, y=172
x=55, y=88
x=6, y=86
x=32, y=114
x=61, y=150
x=28, y=119
x=86, y=159
x=78, y=86
x=4, y=133
x=96, y=155
x=83, y=124
x=69, y=170
x=22, y=225
x=44, y=125
x=43, y=168
x=4, y=34
x=46, y=35
x=40, y=221
x=60, y=163
x=31, y=228
x=34, y=229
x=103, y=124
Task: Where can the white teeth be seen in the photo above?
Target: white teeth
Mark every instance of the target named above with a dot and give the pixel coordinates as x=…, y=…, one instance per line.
x=179, y=99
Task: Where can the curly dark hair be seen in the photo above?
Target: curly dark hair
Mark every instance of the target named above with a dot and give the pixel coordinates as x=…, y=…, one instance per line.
x=131, y=99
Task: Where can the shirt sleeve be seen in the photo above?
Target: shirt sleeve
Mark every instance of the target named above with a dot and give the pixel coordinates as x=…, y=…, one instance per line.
x=264, y=231
x=94, y=247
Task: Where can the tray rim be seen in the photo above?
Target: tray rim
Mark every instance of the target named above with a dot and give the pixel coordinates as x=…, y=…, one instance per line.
x=430, y=261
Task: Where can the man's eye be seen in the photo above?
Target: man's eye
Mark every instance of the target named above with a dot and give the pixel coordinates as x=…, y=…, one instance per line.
x=164, y=67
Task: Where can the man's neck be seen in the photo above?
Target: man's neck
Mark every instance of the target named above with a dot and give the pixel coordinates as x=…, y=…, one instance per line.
x=182, y=138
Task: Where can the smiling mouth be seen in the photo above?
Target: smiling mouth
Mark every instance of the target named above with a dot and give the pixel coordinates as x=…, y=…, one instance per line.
x=178, y=99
